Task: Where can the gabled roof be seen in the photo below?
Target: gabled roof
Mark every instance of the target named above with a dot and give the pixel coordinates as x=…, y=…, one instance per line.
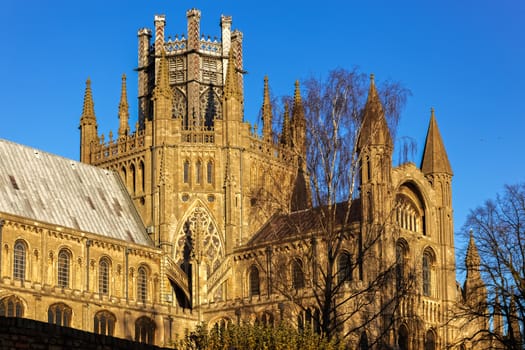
x=59, y=191
x=302, y=223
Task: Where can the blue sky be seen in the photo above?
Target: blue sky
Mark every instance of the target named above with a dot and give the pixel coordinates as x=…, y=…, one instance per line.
x=464, y=58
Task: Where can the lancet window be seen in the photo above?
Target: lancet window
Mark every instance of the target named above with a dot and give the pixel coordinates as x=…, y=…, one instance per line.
x=142, y=284
x=344, y=267
x=19, y=261
x=254, y=282
x=428, y=260
x=297, y=274
x=64, y=259
x=103, y=276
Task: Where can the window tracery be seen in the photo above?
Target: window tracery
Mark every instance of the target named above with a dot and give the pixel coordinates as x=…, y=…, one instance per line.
x=145, y=330
x=11, y=306
x=104, y=323
x=199, y=239
x=59, y=314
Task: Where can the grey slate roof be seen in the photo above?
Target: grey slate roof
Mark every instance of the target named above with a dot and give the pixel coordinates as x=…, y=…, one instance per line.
x=55, y=190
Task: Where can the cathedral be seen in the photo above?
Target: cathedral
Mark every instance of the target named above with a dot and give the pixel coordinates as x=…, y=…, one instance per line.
x=171, y=225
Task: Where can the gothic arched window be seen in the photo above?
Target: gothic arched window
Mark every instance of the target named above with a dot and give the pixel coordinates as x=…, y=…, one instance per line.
x=401, y=253
x=254, y=282
x=133, y=178
x=209, y=172
x=297, y=274
x=344, y=267
x=103, y=276
x=402, y=337
x=63, y=268
x=186, y=172
x=145, y=330
x=142, y=176
x=427, y=272
x=198, y=172
x=59, y=314
x=142, y=280
x=19, y=261
x=104, y=323
x=11, y=306
x=363, y=342
x=430, y=340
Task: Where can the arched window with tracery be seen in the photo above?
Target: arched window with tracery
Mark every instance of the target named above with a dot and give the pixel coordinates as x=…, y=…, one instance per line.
x=297, y=274
x=145, y=330
x=430, y=340
x=103, y=276
x=19, y=261
x=410, y=209
x=104, y=323
x=59, y=314
x=142, y=284
x=402, y=337
x=11, y=306
x=344, y=267
x=64, y=258
x=428, y=260
x=254, y=282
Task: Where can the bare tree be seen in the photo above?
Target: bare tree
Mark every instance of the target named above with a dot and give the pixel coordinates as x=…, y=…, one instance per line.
x=342, y=232
x=494, y=291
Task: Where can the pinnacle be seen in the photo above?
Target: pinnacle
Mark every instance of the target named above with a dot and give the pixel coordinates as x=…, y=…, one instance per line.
x=232, y=86
x=88, y=109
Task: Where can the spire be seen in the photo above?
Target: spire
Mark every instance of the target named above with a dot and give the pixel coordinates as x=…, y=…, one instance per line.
x=123, y=110
x=231, y=88
x=475, y=292
x=472, y=259
x=88, y=110
x=267, y=112
x=435, y=159
x=285, y=134
x=298, y=121
x=301, y=196
x=374, y=128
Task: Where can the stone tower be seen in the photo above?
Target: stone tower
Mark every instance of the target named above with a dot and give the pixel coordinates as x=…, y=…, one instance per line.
x=196, y=171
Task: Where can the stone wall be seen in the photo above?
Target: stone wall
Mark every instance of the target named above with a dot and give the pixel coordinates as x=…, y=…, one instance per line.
x=22, y=333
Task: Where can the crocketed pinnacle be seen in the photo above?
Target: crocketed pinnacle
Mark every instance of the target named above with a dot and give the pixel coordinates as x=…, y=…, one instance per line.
x=298, y=108
x=123, y=109
x=435, y=159
x=162, y=87
x=374, y=128
x=267, y=112
x=231, y=88
x=88, y=109
x=285, y=133
x=472, y=259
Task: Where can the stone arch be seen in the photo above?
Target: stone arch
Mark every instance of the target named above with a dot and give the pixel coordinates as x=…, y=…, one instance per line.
x=198, y=241
x=411, y=208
